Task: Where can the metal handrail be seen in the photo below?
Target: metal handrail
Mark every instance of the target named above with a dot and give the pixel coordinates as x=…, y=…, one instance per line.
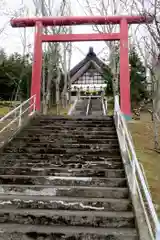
x=93, y=96
x=104, y=107
x=88, y=105
x=17, y=108
x=20, y=111
x=144, y=174
x=73, y=107
x=138, y=183
x=158, y=118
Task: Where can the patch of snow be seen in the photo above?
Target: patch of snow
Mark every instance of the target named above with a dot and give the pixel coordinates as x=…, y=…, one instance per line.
x=28, y=201
x=103, y=158
x=78, y=203
x=40, y=202
x=108, y=163
x=2, y=190
x=37, y=169
x=70, y=178
x=5, y=202
x=65, y=188
x=91, y=207
x=12, y=192
x=45, y=192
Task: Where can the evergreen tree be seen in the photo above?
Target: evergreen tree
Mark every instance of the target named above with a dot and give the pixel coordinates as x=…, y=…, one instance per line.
x=137, y=78
x=108, y=80
x=15, y=76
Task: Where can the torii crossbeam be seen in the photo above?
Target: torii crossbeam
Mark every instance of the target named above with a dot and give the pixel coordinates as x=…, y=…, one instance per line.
x=122, y=36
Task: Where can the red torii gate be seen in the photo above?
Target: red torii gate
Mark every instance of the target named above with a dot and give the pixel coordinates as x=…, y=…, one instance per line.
x=39, y=23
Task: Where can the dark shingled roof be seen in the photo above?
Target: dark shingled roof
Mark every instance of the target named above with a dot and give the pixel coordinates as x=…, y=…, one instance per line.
x=90, y=56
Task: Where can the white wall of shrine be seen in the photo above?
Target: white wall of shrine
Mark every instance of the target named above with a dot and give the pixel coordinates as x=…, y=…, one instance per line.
x=91, y=81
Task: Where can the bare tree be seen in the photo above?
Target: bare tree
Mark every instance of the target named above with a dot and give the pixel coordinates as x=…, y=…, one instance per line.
x=8, y=13
x=4, y=12
x=147, y=40
x=66, y=62
x=22, y=12
x=59, y=52
x=105, y=8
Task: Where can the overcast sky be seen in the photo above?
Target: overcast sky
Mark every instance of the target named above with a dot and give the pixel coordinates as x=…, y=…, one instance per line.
x=11, y=39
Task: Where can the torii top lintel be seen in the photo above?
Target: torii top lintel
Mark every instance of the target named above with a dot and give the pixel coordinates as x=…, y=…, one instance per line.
x=79, y=20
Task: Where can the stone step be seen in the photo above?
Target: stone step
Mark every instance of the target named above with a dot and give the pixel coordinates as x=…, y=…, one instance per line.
x=52, y=139
x=73, y=118
x=28, y=232
x=74, y=172
x=65, y=145
x=63, y=122
x=80, y=135
x=65, y=191
x=65, y=203
x=62, y=135
x=71, y=128
x=73, y=131
x=91, y=123
x=96, y=112
x=59, y=158
x=75, y=124
x=79, y=112
x=79, y=107
x=67, y=217
x=110, y=164
x=60, y=180
x=50, y=150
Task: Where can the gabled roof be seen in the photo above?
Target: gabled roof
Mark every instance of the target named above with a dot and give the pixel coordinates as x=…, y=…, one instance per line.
x=90, y=64
x=83, y=65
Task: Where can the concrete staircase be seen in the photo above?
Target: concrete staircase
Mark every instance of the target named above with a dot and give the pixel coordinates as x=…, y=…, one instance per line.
x=63, y=178
x=96, y=107
x=81, y=107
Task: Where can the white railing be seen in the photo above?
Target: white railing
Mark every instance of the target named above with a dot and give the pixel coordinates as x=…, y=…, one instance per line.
x=88, y=105
x=136, y=179
x=106, y=104
x=93, y=96
x=73, y=107
x=104, y=107
x=12, y=121
x=158, y=118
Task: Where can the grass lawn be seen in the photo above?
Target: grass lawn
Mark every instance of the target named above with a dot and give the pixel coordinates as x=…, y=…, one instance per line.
x=110, y=108
x=142, y=133
x=7, y=106
x=4, y=110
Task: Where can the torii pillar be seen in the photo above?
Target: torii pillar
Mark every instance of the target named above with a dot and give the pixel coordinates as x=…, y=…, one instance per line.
x=37, y=66
x=39, y=23
x=125, y=100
